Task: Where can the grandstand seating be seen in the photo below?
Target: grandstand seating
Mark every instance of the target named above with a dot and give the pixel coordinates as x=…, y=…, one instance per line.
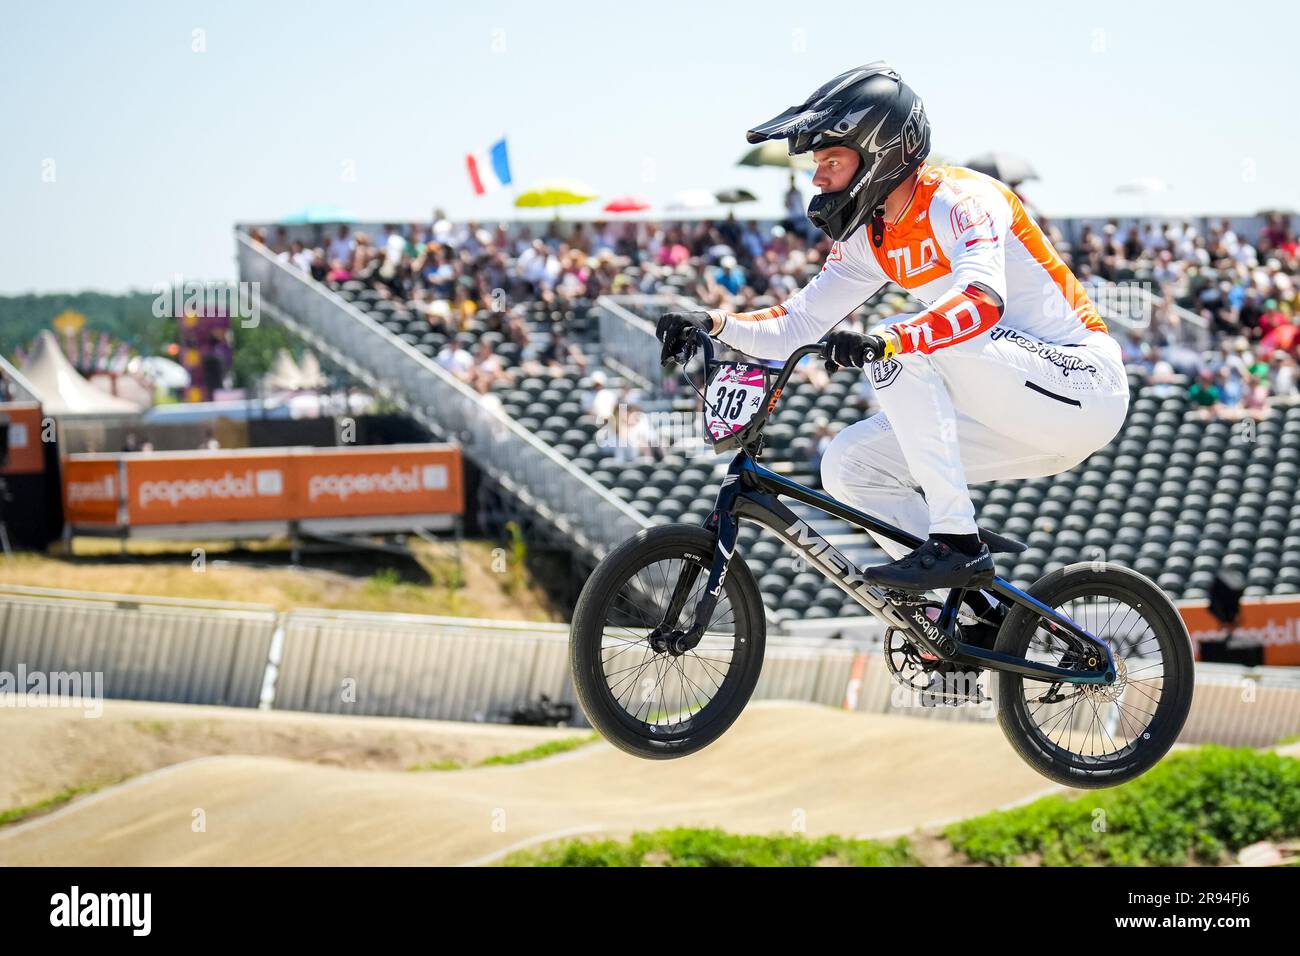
x=1174, y=496
x=416, y=331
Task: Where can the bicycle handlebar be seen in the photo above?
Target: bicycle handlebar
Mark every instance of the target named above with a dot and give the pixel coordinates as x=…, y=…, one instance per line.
x=755, y=425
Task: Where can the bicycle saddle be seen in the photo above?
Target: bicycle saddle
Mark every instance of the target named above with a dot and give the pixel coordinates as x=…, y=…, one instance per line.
x=1002, y=545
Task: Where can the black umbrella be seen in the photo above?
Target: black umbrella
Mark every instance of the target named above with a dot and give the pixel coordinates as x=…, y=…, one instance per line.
x=1012, y=170
x=734, y=195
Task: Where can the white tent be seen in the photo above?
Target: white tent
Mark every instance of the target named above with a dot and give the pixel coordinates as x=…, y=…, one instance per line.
x=309, y=371
x=61, y=388
x=284, y=374
x=126, y=387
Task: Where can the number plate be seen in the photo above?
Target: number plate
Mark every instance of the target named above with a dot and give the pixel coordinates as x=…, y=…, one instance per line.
x=732, y=398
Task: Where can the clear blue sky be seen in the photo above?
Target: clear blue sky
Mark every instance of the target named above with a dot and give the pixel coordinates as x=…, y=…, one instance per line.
x=157, y=149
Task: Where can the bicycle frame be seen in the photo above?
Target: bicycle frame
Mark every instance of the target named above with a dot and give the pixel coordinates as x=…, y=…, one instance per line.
x=750, y=491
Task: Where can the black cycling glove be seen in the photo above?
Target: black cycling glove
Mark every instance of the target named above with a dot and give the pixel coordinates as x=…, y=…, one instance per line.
x=676, y=330
x=855, y=350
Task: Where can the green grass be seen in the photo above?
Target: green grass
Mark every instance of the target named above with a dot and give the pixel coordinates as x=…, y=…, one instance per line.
x=548, y=749
x=685, y=846
x=383, y=581
x=436, y=765
x=14, y=814
x=1197, y=806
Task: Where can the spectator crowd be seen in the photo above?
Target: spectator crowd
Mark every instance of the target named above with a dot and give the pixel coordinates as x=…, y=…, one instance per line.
x=1238, y=301
x=1222, y=323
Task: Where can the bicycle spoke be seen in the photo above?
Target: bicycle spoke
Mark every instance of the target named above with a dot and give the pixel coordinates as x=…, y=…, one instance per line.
x=1116, y=716
x=660, y=689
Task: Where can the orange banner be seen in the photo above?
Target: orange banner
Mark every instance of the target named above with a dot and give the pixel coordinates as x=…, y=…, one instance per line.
x=91, y=489
x=1271, y=622
x=337, y=482
x=278, y=484
x=194, y=486
x=26, y=456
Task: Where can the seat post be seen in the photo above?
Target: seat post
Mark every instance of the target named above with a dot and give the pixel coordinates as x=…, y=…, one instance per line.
x=951, y=605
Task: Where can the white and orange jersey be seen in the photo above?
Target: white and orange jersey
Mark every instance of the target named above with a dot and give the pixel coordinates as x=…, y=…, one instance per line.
x=965, y=247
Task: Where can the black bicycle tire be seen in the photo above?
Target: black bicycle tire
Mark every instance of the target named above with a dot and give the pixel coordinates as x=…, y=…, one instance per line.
x=585, y=638
x=1176, y=693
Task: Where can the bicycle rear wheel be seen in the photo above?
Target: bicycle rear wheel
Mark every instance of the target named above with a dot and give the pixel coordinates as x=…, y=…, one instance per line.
x=1093, y=735
x=649, y=702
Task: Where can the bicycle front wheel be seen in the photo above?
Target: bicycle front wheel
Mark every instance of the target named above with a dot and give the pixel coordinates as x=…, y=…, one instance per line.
x=650, y=702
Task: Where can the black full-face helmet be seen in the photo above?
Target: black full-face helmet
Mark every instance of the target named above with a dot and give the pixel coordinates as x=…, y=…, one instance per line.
x=872, y=111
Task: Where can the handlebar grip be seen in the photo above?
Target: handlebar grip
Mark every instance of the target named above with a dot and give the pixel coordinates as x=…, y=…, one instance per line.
x=687, y=352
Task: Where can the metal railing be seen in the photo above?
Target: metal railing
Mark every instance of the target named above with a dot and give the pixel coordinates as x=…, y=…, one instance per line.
x=628, y=337
x=20, y=389
x=528, y=469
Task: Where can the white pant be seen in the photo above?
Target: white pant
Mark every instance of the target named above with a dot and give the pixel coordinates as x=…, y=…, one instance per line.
x=1001, y=405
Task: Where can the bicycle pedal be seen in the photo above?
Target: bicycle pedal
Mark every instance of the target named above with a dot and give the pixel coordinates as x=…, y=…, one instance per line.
x=951, y=693
x=949, y=700
x=906, y=598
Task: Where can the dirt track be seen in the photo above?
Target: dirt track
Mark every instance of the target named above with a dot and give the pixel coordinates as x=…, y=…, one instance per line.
x=44, y=751
x=781, y=765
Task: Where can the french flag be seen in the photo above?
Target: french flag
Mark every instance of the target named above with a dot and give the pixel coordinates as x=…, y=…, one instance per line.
x=489, y=171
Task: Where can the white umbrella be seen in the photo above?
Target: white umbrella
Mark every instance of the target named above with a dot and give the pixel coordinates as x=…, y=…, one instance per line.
x=1144, y=185
x=159, y=370
x=693, y=199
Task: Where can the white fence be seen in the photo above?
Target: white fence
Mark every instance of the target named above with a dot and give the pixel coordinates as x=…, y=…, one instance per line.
x=405, y=665
x=401, y=665
x=147, y=648
x=336, y=662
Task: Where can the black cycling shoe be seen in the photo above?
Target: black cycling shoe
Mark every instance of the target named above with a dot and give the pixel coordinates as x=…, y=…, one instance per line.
x=935, y=565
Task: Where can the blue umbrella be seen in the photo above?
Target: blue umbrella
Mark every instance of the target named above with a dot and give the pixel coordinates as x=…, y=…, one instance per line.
x=319, y=214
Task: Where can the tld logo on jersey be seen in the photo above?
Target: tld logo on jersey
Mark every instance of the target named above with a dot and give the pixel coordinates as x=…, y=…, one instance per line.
x=968, y=214
x=835, y=255
x=883, y=373
x=927, y=258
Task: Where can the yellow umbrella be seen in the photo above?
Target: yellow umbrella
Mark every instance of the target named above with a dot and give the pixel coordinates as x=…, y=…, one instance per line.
x=555, y=193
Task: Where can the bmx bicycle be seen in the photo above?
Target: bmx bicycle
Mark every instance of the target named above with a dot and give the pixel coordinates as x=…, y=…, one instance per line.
x=1093, y=662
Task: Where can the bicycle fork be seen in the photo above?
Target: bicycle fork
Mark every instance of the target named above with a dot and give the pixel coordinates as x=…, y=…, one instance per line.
x=667, y=636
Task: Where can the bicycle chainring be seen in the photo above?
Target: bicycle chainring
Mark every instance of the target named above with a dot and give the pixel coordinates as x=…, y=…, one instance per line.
x=934, y=680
